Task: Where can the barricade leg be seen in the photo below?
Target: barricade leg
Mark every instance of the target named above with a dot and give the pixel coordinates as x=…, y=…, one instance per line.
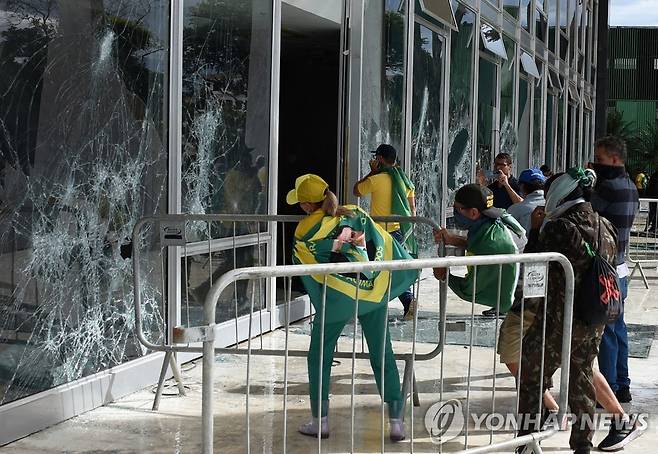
x=206, y=395
x=169, y=360
x=163, y=373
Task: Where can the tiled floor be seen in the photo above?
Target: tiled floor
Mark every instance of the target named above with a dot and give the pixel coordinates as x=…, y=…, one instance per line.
x=129, y=426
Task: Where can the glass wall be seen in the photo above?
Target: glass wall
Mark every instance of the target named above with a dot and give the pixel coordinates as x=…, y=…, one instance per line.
x=427, y=129
x=537, y=112
x=508, y=138
x=83, y=156
x=486, y=119
x=460, y=137
x=225, y=150
x=382, y=99
x=225, y=108
x=525, y=100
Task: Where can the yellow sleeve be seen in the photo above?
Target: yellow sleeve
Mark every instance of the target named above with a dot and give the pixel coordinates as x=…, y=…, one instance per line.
x=411, y=193
x=365, y=187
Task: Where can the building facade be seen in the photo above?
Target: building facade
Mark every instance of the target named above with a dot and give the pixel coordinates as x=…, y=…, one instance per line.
x=633, y=76
x=111, y=110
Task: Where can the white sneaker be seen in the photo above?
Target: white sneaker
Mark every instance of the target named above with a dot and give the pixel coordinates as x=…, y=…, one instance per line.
x=311, y=428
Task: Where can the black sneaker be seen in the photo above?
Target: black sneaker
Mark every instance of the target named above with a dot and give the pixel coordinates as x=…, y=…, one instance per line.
x=582, y=451
x=490, y=312
x=620, y=435
x=624, y=395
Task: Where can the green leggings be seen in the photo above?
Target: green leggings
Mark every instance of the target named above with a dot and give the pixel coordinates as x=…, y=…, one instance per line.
x=372, y=325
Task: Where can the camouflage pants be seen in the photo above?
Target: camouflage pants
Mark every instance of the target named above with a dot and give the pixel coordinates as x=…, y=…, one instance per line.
x=584, y=348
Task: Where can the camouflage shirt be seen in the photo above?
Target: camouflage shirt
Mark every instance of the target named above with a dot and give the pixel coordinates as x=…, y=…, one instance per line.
x=567, y=235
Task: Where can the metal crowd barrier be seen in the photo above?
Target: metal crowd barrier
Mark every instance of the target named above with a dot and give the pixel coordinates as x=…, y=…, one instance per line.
x=206, y=334
x=643, y=246
x=243, y=230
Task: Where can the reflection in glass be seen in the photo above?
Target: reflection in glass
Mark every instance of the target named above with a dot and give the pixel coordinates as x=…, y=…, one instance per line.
x=508, y=137
x=537, y=125
x=382, y=108
x=512, y=7
x=493, y=41
x=559, y=144
x=550, y=6
x=529, y=66
x=200, y=271
x=525, y=13
x=524, y=123
x=541, y=23
x=225, y=108
x=459, y=128
x=549, y=131
x=486, y=113
x=83, y=156
x=426, y=149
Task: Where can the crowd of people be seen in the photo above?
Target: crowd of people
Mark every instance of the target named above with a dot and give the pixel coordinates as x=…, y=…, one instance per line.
x=583, y=213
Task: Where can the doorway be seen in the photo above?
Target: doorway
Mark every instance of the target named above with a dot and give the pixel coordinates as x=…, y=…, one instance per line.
x=308, y=106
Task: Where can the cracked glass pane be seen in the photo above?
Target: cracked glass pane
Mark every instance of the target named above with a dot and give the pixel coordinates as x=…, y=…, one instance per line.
x=508, y=138
x=83, y=156
x=426, y=131
x=382, y=100
x=225, y=108
x=460, y=135
x=200, y=271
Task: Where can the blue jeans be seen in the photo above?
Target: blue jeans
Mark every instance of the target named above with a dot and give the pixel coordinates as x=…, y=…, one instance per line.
x=613, y=351
x=407, y=296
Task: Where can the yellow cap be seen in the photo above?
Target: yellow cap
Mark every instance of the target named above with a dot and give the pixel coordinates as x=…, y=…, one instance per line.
x=308, y=188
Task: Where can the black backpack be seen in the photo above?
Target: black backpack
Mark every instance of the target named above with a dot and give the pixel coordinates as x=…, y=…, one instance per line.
x=598, y=300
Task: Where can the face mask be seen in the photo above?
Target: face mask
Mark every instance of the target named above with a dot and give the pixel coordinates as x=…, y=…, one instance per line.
x=462, y=221
x=606, y=171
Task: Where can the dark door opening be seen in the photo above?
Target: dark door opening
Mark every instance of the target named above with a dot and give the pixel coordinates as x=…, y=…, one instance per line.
x=308, y=106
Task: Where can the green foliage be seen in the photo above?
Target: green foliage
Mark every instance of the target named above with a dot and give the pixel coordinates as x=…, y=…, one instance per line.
x=646, y=146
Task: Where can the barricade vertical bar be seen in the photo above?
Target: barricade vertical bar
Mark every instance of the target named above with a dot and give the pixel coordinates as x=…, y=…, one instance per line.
x=163, y=372
x=207, y=393
x=235, y=290
x=543, y=353
x=187, y=283
x=414, y=396
x=260, y=286
x=518, y=371
x=495, y=350
x=209, y=254
x=383, y=360
x=251, y=317
x=356, y=319
x=443, y=290
x=322, y=312
x=470, y=356
x=288, y=297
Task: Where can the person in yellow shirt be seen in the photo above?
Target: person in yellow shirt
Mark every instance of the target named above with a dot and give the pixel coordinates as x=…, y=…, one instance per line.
x=392, y=193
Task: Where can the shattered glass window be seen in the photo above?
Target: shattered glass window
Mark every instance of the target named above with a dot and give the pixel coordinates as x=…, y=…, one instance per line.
x=83, y=156
x=225, y=108
x=426, y=133
x=508, y=138
x=382, y=100
x=523, y=119
x=460, y=136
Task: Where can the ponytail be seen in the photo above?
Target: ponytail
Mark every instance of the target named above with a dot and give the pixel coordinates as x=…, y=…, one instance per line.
x=331, y=207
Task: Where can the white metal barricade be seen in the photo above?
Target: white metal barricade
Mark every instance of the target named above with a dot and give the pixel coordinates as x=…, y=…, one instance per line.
x=206, y=335
x=172, y=232
x=643, y=246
